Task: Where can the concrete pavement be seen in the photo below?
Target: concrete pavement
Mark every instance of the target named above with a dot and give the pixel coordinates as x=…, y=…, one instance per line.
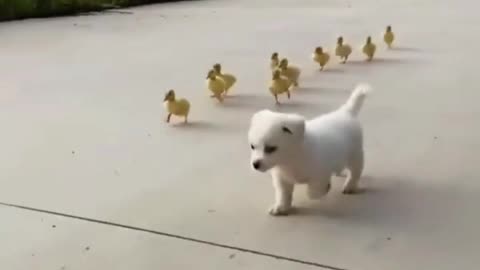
x=83, y=135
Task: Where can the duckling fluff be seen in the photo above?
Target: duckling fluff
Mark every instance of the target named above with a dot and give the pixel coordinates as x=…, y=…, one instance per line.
x=320, y=57
x=289, y=71
x=229, y=79
x=216, y=85
x=343, y=50
x=274, y=61
x=369, y=49
x=279, y=85
x=389, y=36
x=178, y=107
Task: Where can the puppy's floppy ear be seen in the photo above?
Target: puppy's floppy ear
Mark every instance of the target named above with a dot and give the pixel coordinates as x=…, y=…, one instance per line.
x=260, y=116
x=259, y=120
x=294, y=125
x=286, y=130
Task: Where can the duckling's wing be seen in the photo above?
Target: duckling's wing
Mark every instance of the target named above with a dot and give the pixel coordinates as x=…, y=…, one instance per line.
x=232, y=78
x=365, y=48
x=338, y=51
x=185, y=105
x=348, y=49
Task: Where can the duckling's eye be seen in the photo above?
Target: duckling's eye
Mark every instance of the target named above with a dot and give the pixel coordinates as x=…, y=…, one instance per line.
x=252, y=146
x=270, y=149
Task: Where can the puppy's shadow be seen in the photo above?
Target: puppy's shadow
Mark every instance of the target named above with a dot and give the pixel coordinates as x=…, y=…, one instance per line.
x=388, y=203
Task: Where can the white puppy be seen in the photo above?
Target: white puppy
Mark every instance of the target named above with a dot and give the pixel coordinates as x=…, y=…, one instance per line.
x=296, y=151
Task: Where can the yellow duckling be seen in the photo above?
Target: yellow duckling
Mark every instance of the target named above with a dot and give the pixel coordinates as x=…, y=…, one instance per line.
x=279, y=85
x=178, y=107
x=369, y=49
x=289, y=71
x=320, y=57
x=274, y=61
x=389, y=37
x=229, y=79
x=216, y=85
x=343, y=50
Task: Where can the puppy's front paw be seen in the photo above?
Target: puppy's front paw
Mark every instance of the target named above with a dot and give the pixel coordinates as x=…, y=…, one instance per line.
x=349, y=190
x=279, y=210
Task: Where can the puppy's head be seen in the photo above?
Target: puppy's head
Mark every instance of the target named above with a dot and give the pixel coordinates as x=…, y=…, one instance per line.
x=273, y=137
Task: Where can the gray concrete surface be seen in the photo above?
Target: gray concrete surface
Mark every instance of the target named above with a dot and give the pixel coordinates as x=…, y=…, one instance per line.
x=83, y=134
x=28, y=238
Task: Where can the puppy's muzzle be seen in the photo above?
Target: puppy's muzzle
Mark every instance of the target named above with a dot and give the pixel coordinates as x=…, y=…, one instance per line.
x=257, y=165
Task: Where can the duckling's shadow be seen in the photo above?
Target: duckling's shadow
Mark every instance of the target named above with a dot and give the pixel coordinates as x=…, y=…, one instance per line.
x=293, y=106
x=307, y=90
x=196, y=125
x=246, y=101
x=331, y=71
x=323, y=90
x=405, y=49
x=380, y=61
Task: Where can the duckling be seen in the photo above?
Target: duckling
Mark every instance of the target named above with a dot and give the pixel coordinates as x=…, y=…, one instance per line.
x=320, y=57
x=289, y=71
x=274, y=61
x=178, y=107
x=343, y=50
x=216, y=85
x=229, y=79
x=369, y=49
x=279, y=85
x=389, y=37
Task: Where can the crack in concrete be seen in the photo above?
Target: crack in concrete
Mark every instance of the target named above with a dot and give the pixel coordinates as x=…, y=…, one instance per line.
x=170, y=235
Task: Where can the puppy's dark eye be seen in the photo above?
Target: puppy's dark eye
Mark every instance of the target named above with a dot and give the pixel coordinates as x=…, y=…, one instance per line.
x=270, y=149
x=252, y=147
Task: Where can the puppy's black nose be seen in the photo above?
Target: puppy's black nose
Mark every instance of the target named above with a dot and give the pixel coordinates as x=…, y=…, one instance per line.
x=256, y=165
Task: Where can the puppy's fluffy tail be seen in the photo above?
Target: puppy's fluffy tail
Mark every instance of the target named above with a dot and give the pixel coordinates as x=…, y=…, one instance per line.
x=355, y=101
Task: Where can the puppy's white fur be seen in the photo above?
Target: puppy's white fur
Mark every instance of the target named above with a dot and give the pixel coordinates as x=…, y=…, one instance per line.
x=297, y=151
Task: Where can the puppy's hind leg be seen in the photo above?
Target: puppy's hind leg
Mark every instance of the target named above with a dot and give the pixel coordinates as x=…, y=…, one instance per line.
x=319, y=187
x=283, y=196
x=356, y=168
